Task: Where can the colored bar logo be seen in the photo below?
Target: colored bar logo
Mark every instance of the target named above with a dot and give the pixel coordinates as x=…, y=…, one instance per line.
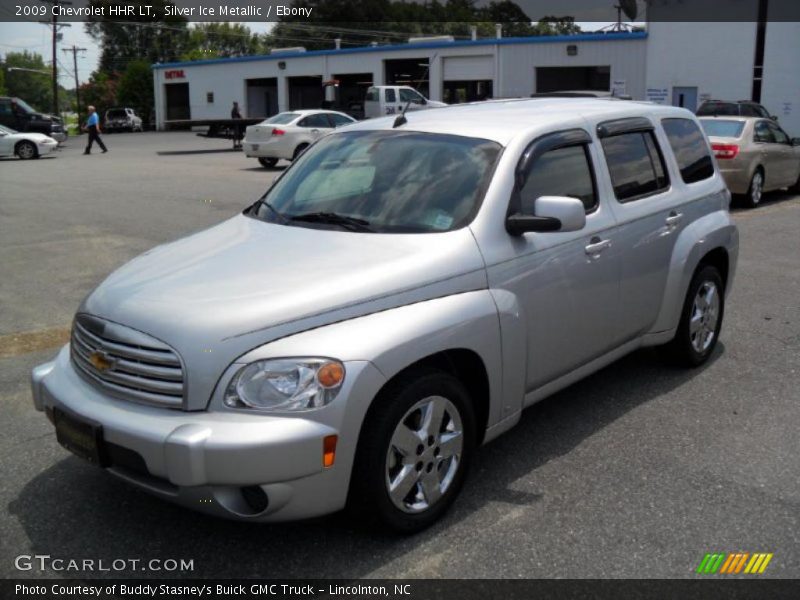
x=734, y=563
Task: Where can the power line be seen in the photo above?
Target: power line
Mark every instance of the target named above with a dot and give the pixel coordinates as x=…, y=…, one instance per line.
x=56, y=27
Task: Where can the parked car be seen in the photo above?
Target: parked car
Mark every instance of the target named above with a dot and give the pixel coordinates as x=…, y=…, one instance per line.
x=755, y=155
x=16, y=114
x=394, y=300
x=122, y=119
x=287, y=134
x=739, y=108
x=25, y=145
x=582, y=94
x=384, y=100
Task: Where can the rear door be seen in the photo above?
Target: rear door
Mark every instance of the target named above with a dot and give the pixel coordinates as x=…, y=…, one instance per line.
x=316, y=125
x=390, y=101
x=770, y=155
x=786, y=157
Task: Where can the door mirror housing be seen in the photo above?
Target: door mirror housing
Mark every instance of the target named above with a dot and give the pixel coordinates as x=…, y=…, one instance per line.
x=552, y=213
x=773, y=117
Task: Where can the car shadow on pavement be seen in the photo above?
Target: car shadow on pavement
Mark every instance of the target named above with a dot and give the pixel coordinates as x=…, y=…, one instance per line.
x=205, y=151
x=73, y=510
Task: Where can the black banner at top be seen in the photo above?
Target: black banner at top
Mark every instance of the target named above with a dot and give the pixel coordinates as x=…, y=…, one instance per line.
x=632, y=12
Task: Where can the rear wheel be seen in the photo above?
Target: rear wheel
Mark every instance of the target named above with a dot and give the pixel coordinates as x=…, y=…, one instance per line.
x=268, y=162
x=796, y=187
x=756, y=189
x=701, y=319
x=26, y=150
x=414, y=451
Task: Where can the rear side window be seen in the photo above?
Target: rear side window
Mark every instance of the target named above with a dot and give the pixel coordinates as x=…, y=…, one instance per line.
x=390, y=95
x=718, y=108
x=560, y=172
x=690, y=149
x=635, y=165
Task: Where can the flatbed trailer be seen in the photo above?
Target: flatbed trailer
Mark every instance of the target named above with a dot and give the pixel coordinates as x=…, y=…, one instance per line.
x=217, y=128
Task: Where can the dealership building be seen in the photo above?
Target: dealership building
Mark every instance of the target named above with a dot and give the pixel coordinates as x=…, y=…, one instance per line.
x=669, y=63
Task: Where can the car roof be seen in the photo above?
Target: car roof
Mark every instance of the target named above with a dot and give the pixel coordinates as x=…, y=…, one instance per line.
x=731, y=118
x=312, y=111
x=503, y=120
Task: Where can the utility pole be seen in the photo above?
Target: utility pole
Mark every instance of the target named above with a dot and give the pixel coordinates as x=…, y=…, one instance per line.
x=75, y=51
x=55, y=26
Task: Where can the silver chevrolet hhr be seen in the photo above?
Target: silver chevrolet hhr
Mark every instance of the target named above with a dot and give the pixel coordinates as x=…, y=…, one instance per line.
x=393, y=301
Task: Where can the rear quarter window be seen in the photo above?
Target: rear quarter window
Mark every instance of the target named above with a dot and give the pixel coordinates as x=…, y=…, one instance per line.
x=690, y=149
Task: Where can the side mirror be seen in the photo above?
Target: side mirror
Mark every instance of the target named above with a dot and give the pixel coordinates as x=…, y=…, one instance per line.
x=552, y=213
x=773, y=117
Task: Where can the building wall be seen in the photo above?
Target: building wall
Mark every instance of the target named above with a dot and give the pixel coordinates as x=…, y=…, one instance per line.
x=780, y=89
x=518, y=64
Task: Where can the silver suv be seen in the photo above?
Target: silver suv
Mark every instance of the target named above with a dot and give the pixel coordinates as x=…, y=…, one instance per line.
x=393, y=301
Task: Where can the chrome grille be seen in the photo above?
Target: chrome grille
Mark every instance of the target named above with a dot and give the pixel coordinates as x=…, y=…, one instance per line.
x=135, y=366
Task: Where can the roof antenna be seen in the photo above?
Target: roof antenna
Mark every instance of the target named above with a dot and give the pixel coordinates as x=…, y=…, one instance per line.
x=401, y=118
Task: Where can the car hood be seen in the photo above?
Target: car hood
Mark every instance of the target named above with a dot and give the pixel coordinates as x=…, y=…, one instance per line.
x=34, y=137
x=219, y=293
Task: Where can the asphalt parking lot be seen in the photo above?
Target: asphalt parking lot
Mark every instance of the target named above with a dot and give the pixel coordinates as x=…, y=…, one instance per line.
x=637, y=471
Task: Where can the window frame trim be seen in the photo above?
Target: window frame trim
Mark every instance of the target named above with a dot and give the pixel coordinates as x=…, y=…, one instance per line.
x=554, y=140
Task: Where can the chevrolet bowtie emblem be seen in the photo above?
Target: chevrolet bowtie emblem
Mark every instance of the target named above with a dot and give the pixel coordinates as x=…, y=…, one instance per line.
x=101, y=361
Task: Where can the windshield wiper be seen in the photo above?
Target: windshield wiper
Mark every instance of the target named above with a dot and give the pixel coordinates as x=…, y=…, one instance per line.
x=351, y=223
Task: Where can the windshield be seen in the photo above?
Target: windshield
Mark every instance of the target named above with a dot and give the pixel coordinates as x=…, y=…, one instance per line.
x=390, y=181
x=8, y=130
x=718, y=108
x=281, y=119
x=722, y=127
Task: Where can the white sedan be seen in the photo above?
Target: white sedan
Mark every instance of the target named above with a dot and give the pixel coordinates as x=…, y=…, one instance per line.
x=25, y=145
x=287, y=134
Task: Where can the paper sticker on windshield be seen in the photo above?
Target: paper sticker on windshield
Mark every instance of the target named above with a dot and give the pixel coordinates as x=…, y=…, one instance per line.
x=442, y=221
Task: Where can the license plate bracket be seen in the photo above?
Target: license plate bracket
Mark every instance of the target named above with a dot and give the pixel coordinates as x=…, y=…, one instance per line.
x=82, y=437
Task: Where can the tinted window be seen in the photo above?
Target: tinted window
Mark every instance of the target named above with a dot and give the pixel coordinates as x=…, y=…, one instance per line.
x=339, y=120
x=722, y=127
x=762, y=112
x=778, y=133
x=718, y=108
x=690, y=149
x=372, y=95
x=762, y=133
x=635, y=165
x=560, y=172
x=397, y=181
x=748, y=110
x=118, y=113
x=318, y=120
x=5, y=107
x=390, y=95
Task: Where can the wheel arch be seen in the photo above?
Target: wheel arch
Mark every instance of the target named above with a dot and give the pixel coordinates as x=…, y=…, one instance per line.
x=22, y=142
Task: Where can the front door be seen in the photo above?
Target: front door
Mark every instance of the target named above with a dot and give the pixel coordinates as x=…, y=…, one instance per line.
x=567, y=283
x=685, y=97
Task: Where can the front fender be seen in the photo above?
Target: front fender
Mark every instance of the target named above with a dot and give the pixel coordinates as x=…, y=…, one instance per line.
x=714, y=230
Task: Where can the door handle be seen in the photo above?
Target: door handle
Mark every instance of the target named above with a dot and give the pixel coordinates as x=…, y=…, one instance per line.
x=674, y=219
x=315, y=131
x=596, y=246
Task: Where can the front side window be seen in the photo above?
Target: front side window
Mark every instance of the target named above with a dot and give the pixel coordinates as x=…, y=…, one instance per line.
x=339, y=120
x=778, y=133
x=635, y=165
x=560, y=172
x=318, y=120
x=372, y=95
x=390, y=181
x=690, y=149
x=410, y=96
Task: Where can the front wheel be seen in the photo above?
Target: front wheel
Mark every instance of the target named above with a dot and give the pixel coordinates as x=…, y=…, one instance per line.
x=414, y=451
x=701, y=319
x=26, y=150
x=268, y=162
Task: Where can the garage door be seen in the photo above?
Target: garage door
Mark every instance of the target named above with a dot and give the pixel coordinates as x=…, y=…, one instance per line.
x=461, y=68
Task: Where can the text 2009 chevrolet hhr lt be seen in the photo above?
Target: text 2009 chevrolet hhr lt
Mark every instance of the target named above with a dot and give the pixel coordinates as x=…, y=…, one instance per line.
x=394, y=300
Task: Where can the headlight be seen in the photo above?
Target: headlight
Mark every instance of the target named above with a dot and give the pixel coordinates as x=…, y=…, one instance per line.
x=285, y=384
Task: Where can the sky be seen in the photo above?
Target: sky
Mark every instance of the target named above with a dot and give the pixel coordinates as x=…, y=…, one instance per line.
x=36, y=37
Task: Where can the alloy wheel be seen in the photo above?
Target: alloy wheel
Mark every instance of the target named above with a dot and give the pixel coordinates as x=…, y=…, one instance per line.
x=756, y=188
x=424, y=454
x=705, y=314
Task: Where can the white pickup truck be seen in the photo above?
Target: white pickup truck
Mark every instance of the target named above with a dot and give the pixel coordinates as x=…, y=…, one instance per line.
x=385, y=100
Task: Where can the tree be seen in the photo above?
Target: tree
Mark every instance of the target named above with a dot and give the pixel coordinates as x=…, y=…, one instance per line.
x=34, y=85
x=139, y=37
x=221, y=40
x=100, y=91
x=3, y=91
x=135, y=89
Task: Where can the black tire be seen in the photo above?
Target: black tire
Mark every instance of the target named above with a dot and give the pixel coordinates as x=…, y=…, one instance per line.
x=754, y=194
x=268, y=163
x=299, y=150
x=26, y=150
x=795, y=189
x=369, y=496
x=683, y=348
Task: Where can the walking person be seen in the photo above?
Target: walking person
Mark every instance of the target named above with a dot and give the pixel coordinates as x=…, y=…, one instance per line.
x=93, y=128
x=237, y=129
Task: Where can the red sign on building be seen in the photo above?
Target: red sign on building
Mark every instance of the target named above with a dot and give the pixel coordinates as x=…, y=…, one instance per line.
x=174, y=74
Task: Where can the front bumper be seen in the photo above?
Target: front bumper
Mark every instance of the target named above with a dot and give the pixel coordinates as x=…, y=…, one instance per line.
x=203, y=460
x=45, y=149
